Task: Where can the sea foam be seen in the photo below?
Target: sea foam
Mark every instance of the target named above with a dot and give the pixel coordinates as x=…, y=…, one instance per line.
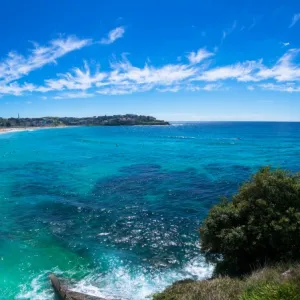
x=139, y=284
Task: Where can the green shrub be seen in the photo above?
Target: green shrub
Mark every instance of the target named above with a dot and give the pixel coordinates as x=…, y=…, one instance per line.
x=280, y=282
x=261, y=225
x=218, y=289
x=272, y=291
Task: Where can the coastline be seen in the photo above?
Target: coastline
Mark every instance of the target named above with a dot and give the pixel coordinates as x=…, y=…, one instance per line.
x=21, y=129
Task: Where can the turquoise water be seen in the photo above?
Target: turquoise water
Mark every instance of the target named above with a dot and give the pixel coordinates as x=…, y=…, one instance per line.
x=117, y=209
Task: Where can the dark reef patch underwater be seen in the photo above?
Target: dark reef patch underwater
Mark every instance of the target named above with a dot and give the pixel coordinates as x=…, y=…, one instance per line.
x=118, y=209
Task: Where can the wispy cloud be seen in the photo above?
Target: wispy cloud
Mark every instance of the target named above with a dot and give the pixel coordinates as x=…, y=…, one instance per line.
x=171, y=89
x=16, y=89
x=288, y=87
x=113, y=35
x=240, y=72
x=125, y=89
x=123, y=78
x=200, y=55
x=77, y=79
x=254, y=21
x=207, y=87
x=192, y=88
x=16, y=66
x=295, y=19
x=74, y=95
x=212, y=87
x=195, y=74
x=229, y=30
x=123, y=72
x=284, y=70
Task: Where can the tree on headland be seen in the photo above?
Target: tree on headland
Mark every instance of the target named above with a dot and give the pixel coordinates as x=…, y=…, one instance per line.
x=261, y=225
x=115, y=120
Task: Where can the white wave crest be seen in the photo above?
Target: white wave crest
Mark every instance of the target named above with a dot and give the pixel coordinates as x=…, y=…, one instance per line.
x=120, y=283
x=36, y=290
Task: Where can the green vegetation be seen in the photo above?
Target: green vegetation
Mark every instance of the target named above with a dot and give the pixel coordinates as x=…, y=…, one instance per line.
x=269, y=283
x=116, y=120
x=258, y=229
x=272, y=291
x=261, y=225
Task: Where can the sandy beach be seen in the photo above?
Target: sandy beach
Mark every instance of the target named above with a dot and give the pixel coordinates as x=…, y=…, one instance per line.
x=20, y=129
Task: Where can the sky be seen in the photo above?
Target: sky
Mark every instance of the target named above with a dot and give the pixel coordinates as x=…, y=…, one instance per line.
x=192, y=60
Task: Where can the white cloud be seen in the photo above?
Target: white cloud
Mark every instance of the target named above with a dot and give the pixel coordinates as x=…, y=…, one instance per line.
x=16, y=66
x=124, y=71
x=240, y=72
x=285, y=44
x=251, y=88
x=212, y=87
x=74, y=95
x=123, y=78
x=113, y=35
x=172, y=89
x=76, y=80
x=113, y=91
x=200, y=55
x=229, y=30
x=284, y=70
x=288, y=87
x=191, y=87
x=295, y=19
x=195, y=75
x=16, y=89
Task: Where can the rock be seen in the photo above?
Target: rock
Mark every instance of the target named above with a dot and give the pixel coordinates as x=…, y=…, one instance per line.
x=64, y=293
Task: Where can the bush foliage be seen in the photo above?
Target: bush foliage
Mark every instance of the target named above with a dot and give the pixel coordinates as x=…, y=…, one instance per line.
x=272, y=291
x=269, y=283
x=261, y=225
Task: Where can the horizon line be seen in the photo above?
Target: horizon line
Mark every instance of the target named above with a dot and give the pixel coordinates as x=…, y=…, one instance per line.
x=171, y=121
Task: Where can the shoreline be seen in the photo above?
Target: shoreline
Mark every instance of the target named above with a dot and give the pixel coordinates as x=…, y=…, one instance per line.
x=22, y=129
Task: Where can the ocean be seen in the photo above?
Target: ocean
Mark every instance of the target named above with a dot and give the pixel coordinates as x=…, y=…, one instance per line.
x=117, y=210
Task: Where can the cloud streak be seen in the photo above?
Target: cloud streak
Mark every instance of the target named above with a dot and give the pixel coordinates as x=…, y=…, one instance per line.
x=74, y=95
x=16, y=89
x=200, y=55
x=295, y=19
x=195, y=72
x=77, y=79
x=229, y=30
x=288, y=87
x=16, y=66
x=241, y=72
x=113, y=35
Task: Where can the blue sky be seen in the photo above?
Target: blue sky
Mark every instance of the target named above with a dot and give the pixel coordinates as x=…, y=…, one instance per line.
x=178, y=60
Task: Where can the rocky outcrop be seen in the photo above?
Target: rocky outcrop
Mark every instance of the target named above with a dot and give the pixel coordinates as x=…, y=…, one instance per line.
x=62, y=291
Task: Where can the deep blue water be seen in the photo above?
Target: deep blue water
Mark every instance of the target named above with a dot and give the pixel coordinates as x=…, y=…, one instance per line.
x=117, y=209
